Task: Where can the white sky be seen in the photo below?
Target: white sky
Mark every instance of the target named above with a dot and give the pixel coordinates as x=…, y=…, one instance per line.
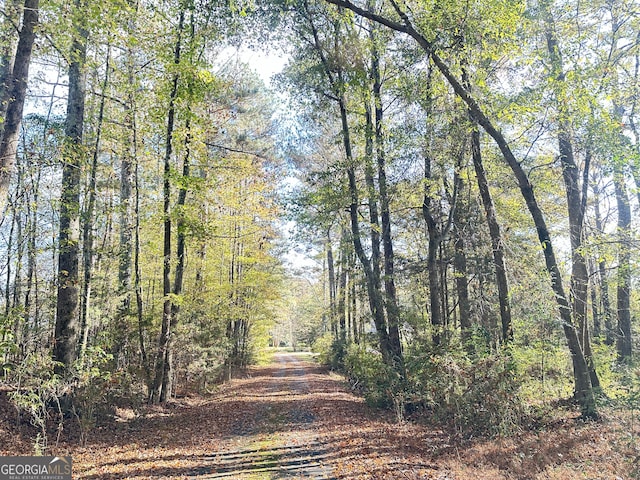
x=266, y=64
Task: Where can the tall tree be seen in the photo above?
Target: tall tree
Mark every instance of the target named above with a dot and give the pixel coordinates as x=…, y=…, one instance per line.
x=9, y=39
x=333, y=70
x=88, y=215
x=623, y=305
x=576, y=196
x=67, y=303
x=159, y=392
x=13, y=93
x=391, y=296
x=583, y=387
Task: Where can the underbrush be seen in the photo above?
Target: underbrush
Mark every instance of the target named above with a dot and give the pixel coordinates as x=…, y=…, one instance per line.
x=471, y=398
x=482, y=394
x=474, y=397
x=48, y=403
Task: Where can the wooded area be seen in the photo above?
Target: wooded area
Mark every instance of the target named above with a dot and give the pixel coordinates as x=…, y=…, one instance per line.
x=464, y=176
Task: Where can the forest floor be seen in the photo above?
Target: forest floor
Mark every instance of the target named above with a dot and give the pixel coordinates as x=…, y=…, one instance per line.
x=294, y=419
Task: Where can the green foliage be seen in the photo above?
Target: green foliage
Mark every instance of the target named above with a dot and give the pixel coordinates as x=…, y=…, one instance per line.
x=41, y=395
x=323, y=348
x=474, y=397
x=7, y=344
x=91, y=388
x=368, y=373
x=544, y=372
x=37, y=388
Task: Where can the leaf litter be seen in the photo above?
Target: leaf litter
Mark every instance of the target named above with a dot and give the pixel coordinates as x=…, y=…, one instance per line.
x=295, y=419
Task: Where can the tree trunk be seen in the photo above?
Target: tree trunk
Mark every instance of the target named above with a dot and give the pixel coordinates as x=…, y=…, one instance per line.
x=66, y=331
x=602, y=276
x=374, y=218
x=376, y=301
x=160, y=384
x=353, y=301
x=341, y=309
x=623, y=339
x=576, y=201
x=435, y=307
x=461, y=275
x=373, y=289
x=332, y=286
x=595, y=312
x=32, y=234
x=136, y=259
x=180, y=264
x=393, y=312
x=497, y=245
x=8, y=41
x=130, y=179
x=16, y=90
x=88, y=217
x=125, y=246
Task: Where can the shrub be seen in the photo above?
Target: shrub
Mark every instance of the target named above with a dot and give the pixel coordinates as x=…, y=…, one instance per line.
x=474, y=398
x=323, y=347
x=40, y=394
x=367, y=373
x=37, y=388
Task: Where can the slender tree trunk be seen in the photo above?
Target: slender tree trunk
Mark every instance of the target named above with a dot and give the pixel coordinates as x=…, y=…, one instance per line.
x=435, y=306
x=595, y=312
x=126, y=221
x=16, y=90
x=66, y=331
x=373, y=288
x=130, y=180
x=495, y=233
x=88, y=217
x=342, y=296
x=576, y=202
x=8, y=41
x=393, y=312
x=159, y=390
x=371, y=268
x=376, y=301
x=9, y=263
x=461, y=275
x=624, y=343
x=602, y=277
x=623, y=339
x=20, y=246
x=332, y=285
x=178, y=280
x=32, y=233
x=353, y=303
x=497, y=244
x=136, y=258
x=374, y=218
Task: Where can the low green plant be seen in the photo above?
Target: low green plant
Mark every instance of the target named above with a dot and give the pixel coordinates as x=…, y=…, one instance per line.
x=7, y=345
x=475, y=397
x=91, y=382
x=40, y=394
x=323, y=348
x=37, y=389
x=377, y=381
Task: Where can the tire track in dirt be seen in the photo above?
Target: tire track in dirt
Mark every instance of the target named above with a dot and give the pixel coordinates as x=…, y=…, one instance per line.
x=292, y=419
x=282, y=444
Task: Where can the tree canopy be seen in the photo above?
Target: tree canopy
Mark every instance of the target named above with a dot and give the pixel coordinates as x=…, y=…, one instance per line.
x=465, y=177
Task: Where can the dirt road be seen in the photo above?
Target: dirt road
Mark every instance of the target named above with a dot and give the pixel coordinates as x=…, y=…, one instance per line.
x=294, y=419
x=291, y=419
